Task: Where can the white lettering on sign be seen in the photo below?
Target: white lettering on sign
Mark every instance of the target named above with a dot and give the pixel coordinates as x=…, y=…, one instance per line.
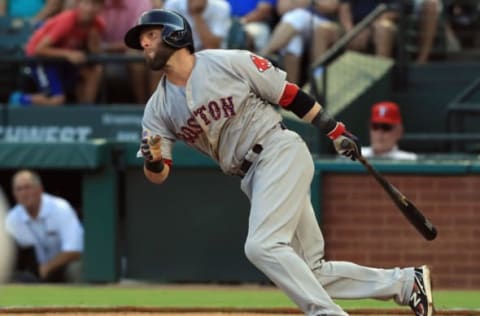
x=122, y=119
x=45, y=133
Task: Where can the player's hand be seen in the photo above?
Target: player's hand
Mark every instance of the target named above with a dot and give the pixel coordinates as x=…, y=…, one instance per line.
x=345, y=143
x=151, y=148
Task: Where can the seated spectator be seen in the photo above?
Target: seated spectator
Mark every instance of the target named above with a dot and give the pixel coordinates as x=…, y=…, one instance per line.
x=33, y=10
x=463, y=23
x=49, y=224
x=386, y=130
x=119, y=16
x=70, y=35
x=381, y=34
x=209, y=19
x=257, y=17
x=383, y=31
x=294, y=31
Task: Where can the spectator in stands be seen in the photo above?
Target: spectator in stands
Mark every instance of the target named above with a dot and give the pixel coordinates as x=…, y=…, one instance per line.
x=383, y=31
x=119, y=16
x=428, y=12
x=70, y=35
x=50, y=225
x=34, y=10
x=386, y=129
x=463, y=23
x=300, y=25
x=256, y=16
x=210, y=20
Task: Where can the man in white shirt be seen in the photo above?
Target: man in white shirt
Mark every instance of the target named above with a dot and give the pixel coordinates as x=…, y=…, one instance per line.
x=386, y=129
x=210, y=20
x=50, y=225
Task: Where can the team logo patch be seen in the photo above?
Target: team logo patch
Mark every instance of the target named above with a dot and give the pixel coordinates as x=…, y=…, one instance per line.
x=261, y=63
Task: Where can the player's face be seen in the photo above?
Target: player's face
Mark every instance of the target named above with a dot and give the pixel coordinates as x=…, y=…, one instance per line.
x=26, y=191
x=156, y=52
x=384, y=137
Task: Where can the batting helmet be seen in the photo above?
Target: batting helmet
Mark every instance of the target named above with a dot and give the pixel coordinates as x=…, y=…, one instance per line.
x=176, y=30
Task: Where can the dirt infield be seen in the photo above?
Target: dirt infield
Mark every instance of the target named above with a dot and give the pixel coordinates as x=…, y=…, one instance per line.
x=147, y=311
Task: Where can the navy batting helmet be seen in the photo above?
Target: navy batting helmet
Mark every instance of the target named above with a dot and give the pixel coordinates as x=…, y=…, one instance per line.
x=176, y=30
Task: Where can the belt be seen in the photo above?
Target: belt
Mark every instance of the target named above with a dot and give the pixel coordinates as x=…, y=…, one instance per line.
x=253, y=153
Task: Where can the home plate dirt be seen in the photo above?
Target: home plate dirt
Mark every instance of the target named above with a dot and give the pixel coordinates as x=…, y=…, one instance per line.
x=154, y=311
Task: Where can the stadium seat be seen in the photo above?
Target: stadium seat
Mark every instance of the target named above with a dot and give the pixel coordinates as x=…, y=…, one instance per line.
x=14, y=33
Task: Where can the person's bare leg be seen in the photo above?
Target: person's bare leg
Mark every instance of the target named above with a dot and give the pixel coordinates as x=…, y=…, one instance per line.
x=292, y=67
x=428, y=29
x=138, y=72
x=282, y=34
x=87, y=90
x=325, y=35
x=42, y=99
x=360, y=42
x=384, y=37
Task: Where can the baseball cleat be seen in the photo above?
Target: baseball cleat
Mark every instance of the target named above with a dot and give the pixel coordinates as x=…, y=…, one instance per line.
x=421, y=300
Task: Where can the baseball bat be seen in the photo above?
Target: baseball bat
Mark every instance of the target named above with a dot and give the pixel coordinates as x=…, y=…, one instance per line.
x=409, y=210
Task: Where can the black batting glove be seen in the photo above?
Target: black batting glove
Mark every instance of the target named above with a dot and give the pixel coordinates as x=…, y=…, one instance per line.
x=151, y=148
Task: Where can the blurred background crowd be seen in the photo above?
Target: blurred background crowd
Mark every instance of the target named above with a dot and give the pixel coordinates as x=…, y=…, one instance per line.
x=291, y=33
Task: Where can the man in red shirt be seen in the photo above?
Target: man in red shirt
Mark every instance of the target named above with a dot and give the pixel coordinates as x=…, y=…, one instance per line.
x=70, y=35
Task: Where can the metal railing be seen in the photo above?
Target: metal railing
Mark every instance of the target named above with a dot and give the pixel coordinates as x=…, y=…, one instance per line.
x=337, y=49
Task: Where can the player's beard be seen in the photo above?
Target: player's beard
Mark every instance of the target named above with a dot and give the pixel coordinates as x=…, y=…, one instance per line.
x=161, y=57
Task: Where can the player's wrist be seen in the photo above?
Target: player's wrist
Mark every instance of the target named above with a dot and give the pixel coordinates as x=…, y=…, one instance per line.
x=155, y=166
x=326, y=123
x=337, y=131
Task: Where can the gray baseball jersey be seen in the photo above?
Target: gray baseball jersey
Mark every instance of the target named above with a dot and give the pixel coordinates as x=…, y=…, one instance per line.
x=223, y=111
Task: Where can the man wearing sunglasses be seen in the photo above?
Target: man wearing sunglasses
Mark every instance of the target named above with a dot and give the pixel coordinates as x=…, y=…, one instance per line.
x=386, y=129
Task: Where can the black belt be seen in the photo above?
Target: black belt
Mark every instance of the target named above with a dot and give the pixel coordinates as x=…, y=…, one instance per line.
x=256, y=150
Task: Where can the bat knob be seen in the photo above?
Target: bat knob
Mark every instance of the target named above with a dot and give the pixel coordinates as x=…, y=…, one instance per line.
x=345, y=144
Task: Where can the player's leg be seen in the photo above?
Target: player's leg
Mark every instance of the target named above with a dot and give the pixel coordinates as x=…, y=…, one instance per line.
x=347, y=280
x=277, y=187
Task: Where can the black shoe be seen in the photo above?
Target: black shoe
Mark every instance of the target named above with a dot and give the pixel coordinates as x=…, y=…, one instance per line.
x=421, y=300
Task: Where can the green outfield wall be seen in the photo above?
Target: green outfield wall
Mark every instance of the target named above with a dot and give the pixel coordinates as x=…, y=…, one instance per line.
x=192, y=229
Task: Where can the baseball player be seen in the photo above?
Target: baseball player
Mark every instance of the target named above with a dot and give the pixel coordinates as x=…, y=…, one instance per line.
x=222, y=103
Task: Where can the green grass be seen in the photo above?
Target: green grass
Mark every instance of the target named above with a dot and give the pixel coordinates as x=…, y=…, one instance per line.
x=40, y=295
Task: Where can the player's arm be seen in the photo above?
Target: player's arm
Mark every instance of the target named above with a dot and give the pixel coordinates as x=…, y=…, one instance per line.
x=155, y=168
x=304, y=106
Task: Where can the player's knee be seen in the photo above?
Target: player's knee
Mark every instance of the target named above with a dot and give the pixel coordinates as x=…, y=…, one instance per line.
x=255, y=251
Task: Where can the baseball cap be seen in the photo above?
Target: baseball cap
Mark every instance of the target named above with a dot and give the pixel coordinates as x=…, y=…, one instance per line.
x=386, y=112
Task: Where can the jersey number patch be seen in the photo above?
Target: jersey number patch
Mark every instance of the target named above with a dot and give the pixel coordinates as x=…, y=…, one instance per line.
x=261, y=63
